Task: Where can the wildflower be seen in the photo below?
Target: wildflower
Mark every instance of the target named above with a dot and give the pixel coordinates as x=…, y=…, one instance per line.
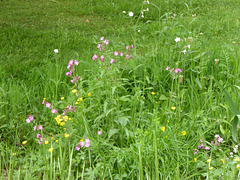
x=147, y=9
x=231, y=154
x=62, y=123
x=166, y=136
x=80, y=99
x=102, y=57
x=102, y=38
x=99, y=47
x=69, y=73
x=34, y=128
x=39, y=136
x=82, y=142
x=50, y=149
x=78, y=147
x=94, y=57
x=56, y=141
x=66, y=135
x=184, y=51
x=207, y=148
x=153, y=93
x=211, y=168
x=39, y=127
x=124, y=12
x=237, y=159
x=112, y=61
x=121, y=53
x=56, y=50
x=238, y=166
x=89, y=94
x=54, y=111
x=46, y=142
x=209, y=160
x=127, y=57
x=188, y=46
x=77, y=103
x=99, y=132
x=115, y=53
x=40, y=142
x=195, y=159
x=62, y=98
x=234, y=150
x=177, y=39
x=76, y=62
x=87, y=142
x=173, y=108
x=216, y=61
x=48, y=105
x=46, y=157
x=106, y=42
x=130, y=14
x=163, y=128
x=74, y=91
x=168, y=68
x=223, y=161
x=24, y=142
x=184, y=133
x=14, y=154
x=29, y=119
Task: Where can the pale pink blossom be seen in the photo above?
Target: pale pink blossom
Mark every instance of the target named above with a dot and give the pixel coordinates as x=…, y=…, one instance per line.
x=78, y=147
x=94, y=57
x=54, y=111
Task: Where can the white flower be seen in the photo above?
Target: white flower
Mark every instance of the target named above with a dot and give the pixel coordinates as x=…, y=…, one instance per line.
x=231, y=154
x=124, y=12
x=147, y=9
x=139, y=30
x=234, y=150
x=236, y=146
x=188, y=46
x=177, y=39
x=130, y=14
x=56, y=50
x=184, y=51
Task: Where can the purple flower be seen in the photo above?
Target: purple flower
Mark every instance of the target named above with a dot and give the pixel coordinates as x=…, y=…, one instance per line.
x=94, y=57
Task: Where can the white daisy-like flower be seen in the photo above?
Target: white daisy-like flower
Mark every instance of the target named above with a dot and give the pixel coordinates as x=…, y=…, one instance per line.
x=130, y=14
x=124, y=12
x=56, y=50
x=177, y=39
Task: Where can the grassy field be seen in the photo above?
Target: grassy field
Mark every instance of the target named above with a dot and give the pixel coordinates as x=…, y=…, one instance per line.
x=159, y=101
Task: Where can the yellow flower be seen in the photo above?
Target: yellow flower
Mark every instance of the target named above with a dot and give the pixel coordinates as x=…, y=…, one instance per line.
x=46, y=142
x=195, y=159
x=163, y=128
x=184, y=133
x=223, y=161
x=46, y=157
x=166, y=136
x=209, y=160
x=238, y=166
x=173, y=108
x=89, y=94
x=211, y=168
x=50, y=149
x=81, y=140
x=74, y=91
x=237, y=159
x=14, y=154
x=52, y=137
x=66, y=135
x=77, y=103
x=50, y=134
x=56, y=141
x=24, y=142
x=64, y=129
x=62, y=123
x=153, y=93
x=80, y=99
x=44, y=99
x=62, y=98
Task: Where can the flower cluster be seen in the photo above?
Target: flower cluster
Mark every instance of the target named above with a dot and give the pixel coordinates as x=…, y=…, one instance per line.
x=61, y=119
x=29, y=119
x=178, y=70
x=83, y=143
x=71, y=69
x=48, y=105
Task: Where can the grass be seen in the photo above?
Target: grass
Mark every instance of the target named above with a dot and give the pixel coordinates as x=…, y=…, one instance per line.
x=133, y=144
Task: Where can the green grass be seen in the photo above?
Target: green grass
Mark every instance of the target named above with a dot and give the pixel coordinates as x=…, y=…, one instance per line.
x=132, y=144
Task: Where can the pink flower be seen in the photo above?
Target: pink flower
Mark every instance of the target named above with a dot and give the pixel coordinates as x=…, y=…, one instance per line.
x=69, y=73
x=176, y=71
x=112, y=61
x=54, y=111
x=127, y=57
x=132, y=46
x=127, y=47
x=48, y=105
x=99, y=132
x=34, y=128
x=76, y=62
x=207, y=154
x=82, y=143
x=94, y=57
x=102, y=38
x=78, y=147
x=99, y=47
x=168, y=68
x=195, y=153
x=39, y=136
x=29, y=119
x=43, y=102
x=207, y=148
x=40, y=142
x=179, y=70
x=102, y=57
x=115, y=53
x=106, y=42
x=121, y=53
x=39, y=127
x=87, y=144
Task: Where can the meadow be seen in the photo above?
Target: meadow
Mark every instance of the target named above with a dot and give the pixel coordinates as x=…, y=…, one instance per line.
x=130, y=89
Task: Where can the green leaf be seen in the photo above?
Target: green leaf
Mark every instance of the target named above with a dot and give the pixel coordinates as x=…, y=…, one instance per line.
x=198, y=83
x=231, y=104
x=112, y=132
x=234, y=127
